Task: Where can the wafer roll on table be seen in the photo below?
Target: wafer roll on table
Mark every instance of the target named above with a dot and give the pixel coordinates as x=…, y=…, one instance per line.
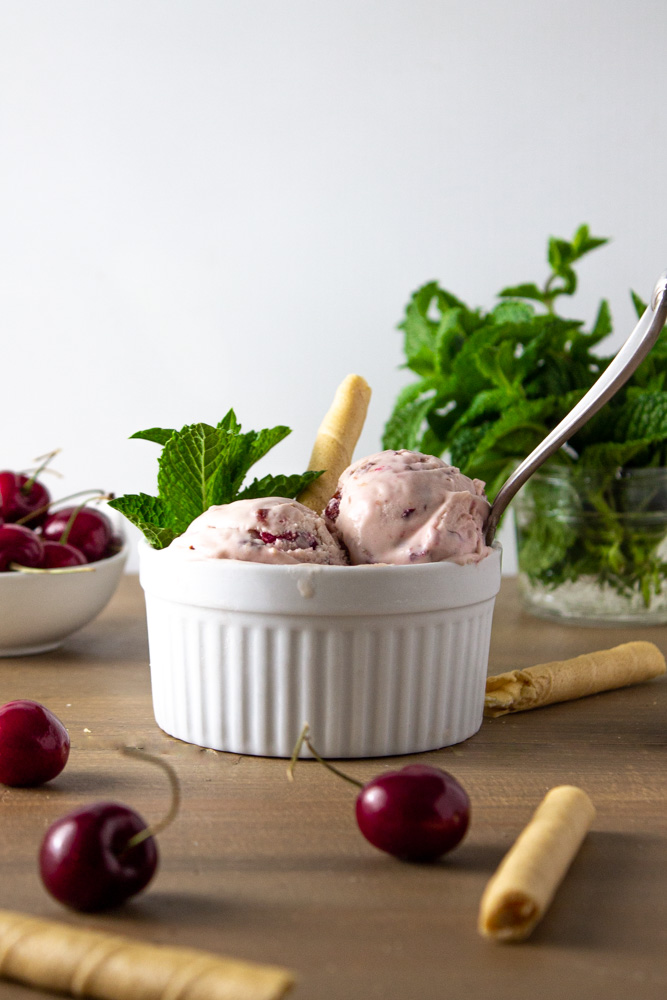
x=62, y=958
x=565, y=680
x=518, y=895
x=336, y=440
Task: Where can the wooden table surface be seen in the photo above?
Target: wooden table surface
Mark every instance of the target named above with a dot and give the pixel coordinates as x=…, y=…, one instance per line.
x=257, y=868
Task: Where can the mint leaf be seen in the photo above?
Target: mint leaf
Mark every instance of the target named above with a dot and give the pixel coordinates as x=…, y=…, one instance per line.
x=150, y=514
x=408, y=412
x=404, y=429
x=583, y=242
x=610, y=455
x=201, y=466
x=516, y=431
x=420, y=332
x=449, y=337
x=435, y=322
x=230, y=423
x=465, y=378
x=189, y=468
x=486, y=405
x=498, y=364
x=510, y=311
x=528, y=290
x=561, y=255
x=160, y=435
x=278, y=486
x=464, y=444
x=642, y=416
x=603, y=325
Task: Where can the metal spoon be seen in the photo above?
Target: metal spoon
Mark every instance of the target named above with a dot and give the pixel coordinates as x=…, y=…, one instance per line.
x=634, y=350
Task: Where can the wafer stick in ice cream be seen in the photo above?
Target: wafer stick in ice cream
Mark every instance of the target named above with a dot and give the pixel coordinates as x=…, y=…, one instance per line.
x=564, y=680
x=519, y=894
x=61, y=958
x=336, y=440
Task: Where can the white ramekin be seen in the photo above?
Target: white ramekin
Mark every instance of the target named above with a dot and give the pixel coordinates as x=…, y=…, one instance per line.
x=379, y=660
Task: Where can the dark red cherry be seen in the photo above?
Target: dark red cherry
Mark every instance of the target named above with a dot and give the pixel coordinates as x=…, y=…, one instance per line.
x=60, y=555
x=417, y=813
x=21, y=495
x=90, y=530
x=36, y=498
x=86, y=862
x=34, y=744
x=10, y=507
x=19, y=544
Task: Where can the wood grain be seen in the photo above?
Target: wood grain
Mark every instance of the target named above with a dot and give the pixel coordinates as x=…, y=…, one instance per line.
x=261, y=869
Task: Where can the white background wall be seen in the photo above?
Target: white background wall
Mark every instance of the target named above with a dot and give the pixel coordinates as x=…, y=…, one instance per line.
x=207, y=203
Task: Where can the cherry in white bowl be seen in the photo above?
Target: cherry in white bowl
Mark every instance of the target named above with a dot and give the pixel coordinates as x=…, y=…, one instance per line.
x=40, y=610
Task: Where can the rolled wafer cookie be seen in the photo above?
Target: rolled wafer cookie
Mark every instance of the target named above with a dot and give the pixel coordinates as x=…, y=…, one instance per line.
x=56, y=956
x=336, y=440
x=564, y=680
x=518, y=895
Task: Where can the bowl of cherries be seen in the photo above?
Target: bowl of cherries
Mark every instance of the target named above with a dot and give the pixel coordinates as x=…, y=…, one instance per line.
x=60, y=563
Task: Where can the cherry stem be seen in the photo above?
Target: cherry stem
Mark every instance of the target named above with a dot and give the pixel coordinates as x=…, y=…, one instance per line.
x=304, y=738
x=75, y=513
x=44, y=459
x=54, y=503
x=53, y=569
x=172, y=812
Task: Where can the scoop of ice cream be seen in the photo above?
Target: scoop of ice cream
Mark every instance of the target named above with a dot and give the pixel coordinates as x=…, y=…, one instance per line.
x=269, y=530
x=405, y=507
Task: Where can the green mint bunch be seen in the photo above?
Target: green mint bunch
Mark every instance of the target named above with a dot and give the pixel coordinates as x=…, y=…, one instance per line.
x=200, y=466
x=490, y=385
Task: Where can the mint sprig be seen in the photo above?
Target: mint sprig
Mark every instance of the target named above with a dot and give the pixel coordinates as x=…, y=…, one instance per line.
x=201, y=466
x=491, y=385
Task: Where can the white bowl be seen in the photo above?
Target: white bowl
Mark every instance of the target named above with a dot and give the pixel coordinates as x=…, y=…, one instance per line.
x=378, y=659
x=40, y=610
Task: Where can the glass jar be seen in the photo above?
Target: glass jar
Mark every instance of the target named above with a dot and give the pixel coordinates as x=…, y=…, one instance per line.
x=592, y=548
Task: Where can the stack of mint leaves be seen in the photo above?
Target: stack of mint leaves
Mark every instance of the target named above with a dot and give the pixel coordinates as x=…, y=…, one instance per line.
x=200, y=466
x=491, y=385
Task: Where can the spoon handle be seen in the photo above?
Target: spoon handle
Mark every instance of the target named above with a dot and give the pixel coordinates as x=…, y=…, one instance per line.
x=633, y=351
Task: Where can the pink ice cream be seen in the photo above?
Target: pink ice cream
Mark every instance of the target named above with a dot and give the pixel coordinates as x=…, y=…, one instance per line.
x=405, y=507
x=268, y=530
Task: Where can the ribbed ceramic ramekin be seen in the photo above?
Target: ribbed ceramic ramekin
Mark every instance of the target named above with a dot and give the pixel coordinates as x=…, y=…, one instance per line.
x=378, y=659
